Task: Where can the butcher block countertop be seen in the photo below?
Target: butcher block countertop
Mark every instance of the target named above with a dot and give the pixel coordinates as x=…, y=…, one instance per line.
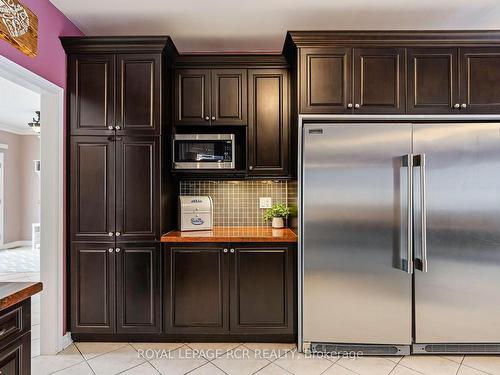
x=232, y=234
x=12, y=293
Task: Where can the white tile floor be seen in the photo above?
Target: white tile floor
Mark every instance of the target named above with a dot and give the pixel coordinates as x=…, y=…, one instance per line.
x=244, y=359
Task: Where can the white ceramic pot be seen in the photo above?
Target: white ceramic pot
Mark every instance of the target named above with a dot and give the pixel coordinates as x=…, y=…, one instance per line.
x=278, y=222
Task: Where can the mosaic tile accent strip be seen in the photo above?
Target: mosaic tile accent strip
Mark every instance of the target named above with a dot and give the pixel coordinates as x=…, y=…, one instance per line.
x=236, y=203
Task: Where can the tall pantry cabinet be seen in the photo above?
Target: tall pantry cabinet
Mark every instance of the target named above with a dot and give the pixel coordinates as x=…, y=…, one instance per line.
x=115, y=119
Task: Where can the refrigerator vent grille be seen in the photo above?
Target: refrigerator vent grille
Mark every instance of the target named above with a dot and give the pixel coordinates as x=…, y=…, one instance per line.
x=463, y=348
x=363, y=349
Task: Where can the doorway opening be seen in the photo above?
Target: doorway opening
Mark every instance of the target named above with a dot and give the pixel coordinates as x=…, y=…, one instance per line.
x=20, y=192
x=45, y=233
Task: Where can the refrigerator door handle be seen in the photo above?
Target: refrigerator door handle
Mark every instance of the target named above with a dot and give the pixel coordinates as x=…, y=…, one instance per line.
x=423, y=208
x=409, y=228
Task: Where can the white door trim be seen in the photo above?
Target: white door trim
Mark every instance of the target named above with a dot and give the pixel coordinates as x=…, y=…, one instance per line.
x=2, y=202
x=52, y=257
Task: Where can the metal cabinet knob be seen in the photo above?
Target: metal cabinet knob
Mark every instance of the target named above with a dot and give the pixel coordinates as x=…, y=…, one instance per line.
x=456, y=105
x=110, y=249
x=250, y=167
x=110, y=234
x=213, y=118
x=207, y=118
x=118, y=249
x=232, y=250
x=118, y=127
x=356, y=105
x=118, y=234
x=110, y=127
x=464, y=105
x=349, y=105
x=225, y=250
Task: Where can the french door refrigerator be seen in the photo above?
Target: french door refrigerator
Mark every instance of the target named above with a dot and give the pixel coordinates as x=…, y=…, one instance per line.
x=401, y=237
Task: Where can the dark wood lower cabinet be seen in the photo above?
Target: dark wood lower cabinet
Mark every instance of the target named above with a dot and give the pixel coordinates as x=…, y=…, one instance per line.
x=15, y=339
x=92, y=287
x=232, y=289
x=197, y=289
x=262, y=289
x=15, y=359
x=138, y=289
x=115, y=287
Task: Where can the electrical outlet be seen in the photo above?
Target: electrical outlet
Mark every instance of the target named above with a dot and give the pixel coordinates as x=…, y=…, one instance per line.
x=265, y=202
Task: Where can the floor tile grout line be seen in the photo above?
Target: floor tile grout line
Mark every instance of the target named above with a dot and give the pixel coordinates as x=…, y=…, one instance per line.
x=347, y=368
x=64, y=368
x=409, y=368
x=484, y=372
x=101, y=354
x=130, y=368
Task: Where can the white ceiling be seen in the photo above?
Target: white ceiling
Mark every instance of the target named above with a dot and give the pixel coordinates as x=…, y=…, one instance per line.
x=260, y=25
x=17, y=107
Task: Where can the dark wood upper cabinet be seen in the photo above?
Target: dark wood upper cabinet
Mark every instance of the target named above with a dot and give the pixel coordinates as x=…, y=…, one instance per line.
x=379, y=80
x=268, y=122
x=138, y=94
x=92, y=287
x=91, y=90
x=433, y=85
x=325, y=80
x=197, y=289
x=192, y=97
x=138, y=289
x=137, y=188
x=229, y=97
x=480, y=80
x=92, y=188
x=263, y=304
x=210, y=97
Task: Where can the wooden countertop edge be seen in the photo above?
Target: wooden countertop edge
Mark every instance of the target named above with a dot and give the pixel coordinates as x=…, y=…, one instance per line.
x=20, y=295
x=226, y=239
x=175, y=236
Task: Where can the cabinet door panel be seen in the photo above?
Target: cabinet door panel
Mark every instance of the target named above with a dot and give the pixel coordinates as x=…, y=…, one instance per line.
x=92, y=287
x=379, y=80
x=192, y=97
x=268, y=132
x=138, y=291
x=91, y=86
x=480, y=72
x=139, y=97
x=325, y=80
x=15, y=359
x=137, y=188
x=92, y=177
x=262, y=304
x=229, y=97
x=432, y=80
x=198, y=289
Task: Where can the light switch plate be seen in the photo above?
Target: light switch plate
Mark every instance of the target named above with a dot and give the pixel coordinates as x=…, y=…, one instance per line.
x=265, y=202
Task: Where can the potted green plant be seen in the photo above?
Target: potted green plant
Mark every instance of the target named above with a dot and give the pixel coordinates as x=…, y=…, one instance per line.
x=276, y=214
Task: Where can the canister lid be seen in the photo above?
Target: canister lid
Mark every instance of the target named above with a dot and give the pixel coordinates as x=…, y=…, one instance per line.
x=195, y=203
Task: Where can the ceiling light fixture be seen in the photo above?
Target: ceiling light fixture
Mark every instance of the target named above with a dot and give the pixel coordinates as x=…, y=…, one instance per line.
x=35, y=125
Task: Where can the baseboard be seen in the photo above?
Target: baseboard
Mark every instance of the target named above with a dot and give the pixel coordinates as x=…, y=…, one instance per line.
x=14, y=244
x=66, y=341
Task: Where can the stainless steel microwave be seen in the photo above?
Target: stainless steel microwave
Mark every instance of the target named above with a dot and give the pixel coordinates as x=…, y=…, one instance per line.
x=203, y=151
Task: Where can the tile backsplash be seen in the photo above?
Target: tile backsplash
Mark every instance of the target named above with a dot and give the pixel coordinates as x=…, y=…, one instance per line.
x=236, y=203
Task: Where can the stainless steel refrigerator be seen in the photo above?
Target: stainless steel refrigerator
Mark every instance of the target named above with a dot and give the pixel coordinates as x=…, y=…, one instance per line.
x=401, y=237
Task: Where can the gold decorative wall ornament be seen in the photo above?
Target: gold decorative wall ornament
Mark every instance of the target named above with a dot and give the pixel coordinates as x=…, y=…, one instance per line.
x=19, y=26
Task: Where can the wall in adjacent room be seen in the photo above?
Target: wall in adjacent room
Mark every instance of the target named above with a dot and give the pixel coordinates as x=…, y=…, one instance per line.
x=21, y=186
x=50, y=63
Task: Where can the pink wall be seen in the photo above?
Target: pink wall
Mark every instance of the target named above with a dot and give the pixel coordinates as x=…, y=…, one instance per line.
x=50, y=63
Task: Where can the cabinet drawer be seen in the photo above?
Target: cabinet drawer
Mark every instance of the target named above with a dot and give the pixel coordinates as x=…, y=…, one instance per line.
x=14, y=322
